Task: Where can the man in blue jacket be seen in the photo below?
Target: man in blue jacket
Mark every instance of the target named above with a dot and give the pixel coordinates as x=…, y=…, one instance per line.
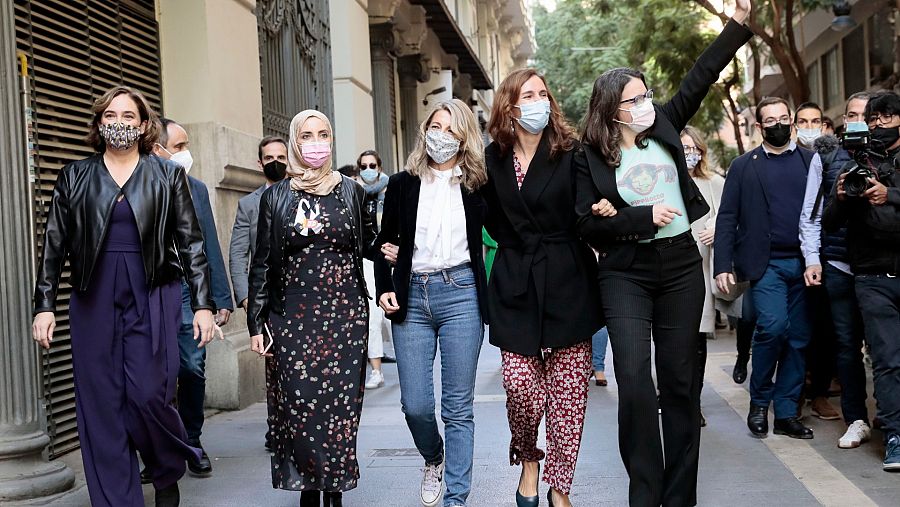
x=758, y=240
x=173, y=145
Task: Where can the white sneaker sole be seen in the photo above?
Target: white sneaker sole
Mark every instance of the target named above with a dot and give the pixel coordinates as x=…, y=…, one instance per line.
x=435, y=502
x=892, y=467
x=375, y=386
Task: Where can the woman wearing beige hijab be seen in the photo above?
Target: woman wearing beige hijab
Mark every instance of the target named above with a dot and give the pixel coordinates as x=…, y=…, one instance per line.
x=308, y=309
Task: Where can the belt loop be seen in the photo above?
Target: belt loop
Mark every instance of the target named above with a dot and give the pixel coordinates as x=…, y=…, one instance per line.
x=446, y=275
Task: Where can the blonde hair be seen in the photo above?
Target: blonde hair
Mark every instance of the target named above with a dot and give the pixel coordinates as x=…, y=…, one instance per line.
x=702, y=169
x=471, y=148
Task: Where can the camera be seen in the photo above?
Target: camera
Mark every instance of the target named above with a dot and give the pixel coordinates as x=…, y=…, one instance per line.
x=856, y=182
x=857, y=140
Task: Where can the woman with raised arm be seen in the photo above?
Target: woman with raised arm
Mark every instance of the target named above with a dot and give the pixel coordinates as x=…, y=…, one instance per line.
x=651, y=275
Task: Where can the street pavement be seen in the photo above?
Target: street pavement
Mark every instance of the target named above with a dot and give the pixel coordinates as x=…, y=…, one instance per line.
x=735, y=469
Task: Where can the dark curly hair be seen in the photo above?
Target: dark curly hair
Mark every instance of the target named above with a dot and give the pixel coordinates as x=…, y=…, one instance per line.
x=601, y=132
x=148, y=117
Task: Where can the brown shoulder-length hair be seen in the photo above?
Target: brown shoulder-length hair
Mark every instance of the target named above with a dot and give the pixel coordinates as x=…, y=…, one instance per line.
x=502, y=125
x=702, y=169
x=149, y=119
x=470, y=158
x=601, y=131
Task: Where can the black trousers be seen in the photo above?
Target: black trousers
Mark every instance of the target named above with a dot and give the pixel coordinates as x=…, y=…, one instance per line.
x=879, y=302
x=821, y=355
x=660, y=294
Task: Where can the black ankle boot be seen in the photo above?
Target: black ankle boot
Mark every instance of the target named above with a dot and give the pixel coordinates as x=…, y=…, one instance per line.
x=168, y=496
x=310, y=499
x=332, y=499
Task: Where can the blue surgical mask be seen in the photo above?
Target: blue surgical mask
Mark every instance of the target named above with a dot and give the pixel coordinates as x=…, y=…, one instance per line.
x=535, y=116
x=857, y=126
x=368, y=174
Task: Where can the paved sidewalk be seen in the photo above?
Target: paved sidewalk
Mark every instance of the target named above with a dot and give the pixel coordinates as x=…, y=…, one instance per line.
x=735, y=469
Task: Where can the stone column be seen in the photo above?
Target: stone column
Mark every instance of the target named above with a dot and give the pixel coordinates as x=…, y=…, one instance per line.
x=412, y=70
x=24, y=473
x=382, y=42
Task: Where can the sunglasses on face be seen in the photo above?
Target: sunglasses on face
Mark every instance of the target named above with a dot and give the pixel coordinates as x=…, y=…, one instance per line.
x=368, y=166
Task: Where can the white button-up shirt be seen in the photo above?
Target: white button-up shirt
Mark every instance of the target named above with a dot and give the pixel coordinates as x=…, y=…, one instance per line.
x=441, y=240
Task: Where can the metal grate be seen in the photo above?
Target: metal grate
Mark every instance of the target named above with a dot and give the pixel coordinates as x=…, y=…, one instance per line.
x=295, y=61
x=76, y=50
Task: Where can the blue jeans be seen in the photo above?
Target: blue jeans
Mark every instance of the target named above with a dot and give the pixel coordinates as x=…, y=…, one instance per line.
x=598, y=342
x=442, y=312
x=849, y=330
x=191, y=372
x=782, y=334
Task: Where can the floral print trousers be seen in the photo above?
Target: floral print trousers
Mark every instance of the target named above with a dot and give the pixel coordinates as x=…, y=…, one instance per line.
x=555, y=383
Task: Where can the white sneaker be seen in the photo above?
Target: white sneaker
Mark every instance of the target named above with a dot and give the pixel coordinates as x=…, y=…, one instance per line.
x=376, y=380
x=433, y=484
x=856, y=434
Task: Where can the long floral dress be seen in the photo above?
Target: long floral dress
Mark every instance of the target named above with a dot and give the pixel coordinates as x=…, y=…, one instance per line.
x=319, y=351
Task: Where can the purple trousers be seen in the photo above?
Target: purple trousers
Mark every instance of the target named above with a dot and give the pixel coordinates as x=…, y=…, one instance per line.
x=125, y=358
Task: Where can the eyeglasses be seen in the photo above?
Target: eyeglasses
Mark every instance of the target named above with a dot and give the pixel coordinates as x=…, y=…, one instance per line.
x=691, y=149
x=769, y=122
x=880, y=119
x=639, y=99
x=370, y=166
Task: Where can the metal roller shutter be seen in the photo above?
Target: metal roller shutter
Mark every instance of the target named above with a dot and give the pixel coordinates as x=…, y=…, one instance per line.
x=76, y=50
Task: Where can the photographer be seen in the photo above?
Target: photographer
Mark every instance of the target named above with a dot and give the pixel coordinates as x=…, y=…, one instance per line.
x=866, y=197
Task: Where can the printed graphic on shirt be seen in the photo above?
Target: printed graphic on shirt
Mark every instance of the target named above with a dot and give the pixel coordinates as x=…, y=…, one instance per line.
x=642, y=179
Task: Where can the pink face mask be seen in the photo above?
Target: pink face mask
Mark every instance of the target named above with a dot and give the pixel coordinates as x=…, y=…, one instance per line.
x=315, y=154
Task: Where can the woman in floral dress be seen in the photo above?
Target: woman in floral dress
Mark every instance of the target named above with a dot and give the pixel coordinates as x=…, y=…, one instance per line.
x=307, y=289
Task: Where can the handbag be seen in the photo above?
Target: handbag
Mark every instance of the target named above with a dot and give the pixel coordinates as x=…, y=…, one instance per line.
x=736, y=290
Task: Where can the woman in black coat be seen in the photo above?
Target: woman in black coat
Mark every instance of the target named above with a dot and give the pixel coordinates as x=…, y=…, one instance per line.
x=651, y=276
x=542, y=296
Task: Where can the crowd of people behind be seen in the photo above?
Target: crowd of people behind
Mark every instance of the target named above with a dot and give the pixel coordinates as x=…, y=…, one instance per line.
x=555, y=239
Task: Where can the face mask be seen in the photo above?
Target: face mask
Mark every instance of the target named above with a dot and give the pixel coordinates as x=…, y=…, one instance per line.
x=692, y=159
x=368, y=175
x=275, y=170
x=642, y=117
x=884, y=138
x=119, y=136
x=808, y=136
x=184, y=159
x=857, y=126
x=535, y=116
x=441, y=146
x=315, y=154
x=777, y=135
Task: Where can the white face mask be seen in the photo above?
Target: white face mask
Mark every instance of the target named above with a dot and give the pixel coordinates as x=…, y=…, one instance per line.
x=808, y=136
x=184, y=159
x=642, y=117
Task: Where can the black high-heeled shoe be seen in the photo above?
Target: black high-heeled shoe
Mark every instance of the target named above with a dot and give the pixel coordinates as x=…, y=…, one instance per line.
x=550, y=497
x=529, y=501
x=332, y=499
x=310, y=498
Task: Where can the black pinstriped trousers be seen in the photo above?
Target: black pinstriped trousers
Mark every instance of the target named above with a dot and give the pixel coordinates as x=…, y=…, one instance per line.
x=660, y=294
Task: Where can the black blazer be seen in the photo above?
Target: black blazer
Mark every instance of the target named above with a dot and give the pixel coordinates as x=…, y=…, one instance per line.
x=616, y=238
x=266, y=286
x=398, y=226
x=542, y=292
x=743, y=232
x=82, y=204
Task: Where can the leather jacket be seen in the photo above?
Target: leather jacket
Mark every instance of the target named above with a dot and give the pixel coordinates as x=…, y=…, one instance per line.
x=80, y=210
x=266, y=294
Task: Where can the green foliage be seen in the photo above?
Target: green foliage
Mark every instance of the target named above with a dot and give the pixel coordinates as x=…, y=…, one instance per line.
x=660, y=37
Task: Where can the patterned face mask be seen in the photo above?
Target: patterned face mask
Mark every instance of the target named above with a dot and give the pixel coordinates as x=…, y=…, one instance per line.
x=441, y=146
x=119, y=136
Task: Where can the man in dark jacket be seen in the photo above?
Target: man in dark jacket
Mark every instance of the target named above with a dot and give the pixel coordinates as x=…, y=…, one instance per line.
x=870, y=209
x=757, y=239
x=837, y=277
x=173, y=145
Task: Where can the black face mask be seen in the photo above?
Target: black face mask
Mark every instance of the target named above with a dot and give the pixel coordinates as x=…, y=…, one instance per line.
x=777, y=135
x=275, y=170
x=883, y=138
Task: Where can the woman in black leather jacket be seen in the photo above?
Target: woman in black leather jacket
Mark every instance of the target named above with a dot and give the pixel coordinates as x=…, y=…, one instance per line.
x=308, y=294
x=125, y=220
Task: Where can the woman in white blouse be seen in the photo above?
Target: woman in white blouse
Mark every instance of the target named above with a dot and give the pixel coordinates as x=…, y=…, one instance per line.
x=435, y=292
